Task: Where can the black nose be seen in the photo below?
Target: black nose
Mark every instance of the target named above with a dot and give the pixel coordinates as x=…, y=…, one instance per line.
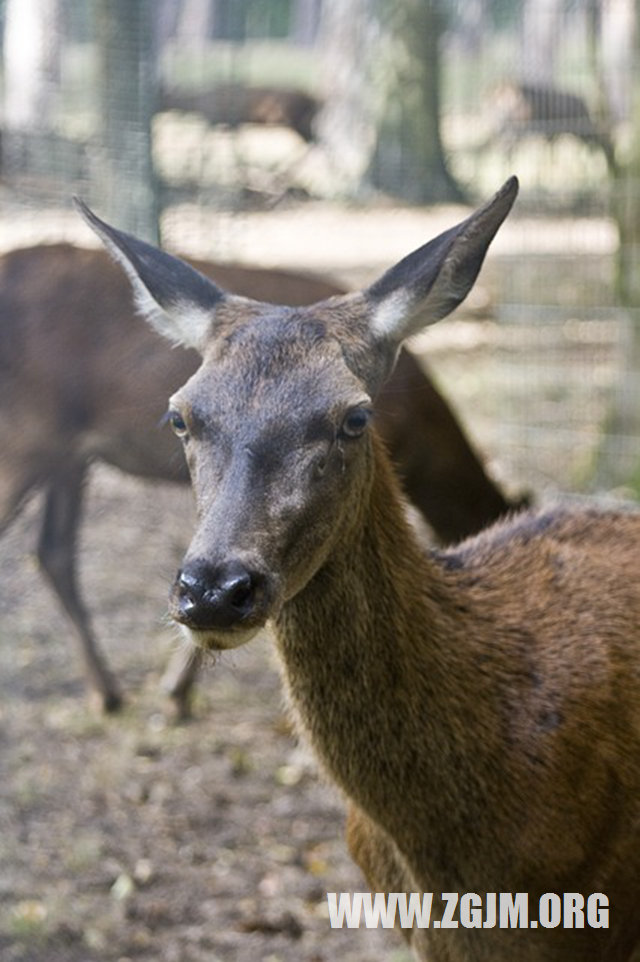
x=207, y=596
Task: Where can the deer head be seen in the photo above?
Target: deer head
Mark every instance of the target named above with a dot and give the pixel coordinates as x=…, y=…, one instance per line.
x=276, y=423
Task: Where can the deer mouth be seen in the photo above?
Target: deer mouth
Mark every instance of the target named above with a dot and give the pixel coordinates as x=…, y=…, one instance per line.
x=209, y=639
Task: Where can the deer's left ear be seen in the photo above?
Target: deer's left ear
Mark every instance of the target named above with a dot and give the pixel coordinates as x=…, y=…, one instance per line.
x=428, y=284
x=176, y=299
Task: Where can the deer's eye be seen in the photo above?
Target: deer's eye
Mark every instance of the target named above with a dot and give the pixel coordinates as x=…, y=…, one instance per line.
x=355, y=422
x=178, y=424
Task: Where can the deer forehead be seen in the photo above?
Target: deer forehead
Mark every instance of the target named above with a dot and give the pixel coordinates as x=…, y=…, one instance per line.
x=282, y=365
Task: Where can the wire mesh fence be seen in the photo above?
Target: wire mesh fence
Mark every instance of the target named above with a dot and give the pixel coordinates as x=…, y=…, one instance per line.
x=217, y=117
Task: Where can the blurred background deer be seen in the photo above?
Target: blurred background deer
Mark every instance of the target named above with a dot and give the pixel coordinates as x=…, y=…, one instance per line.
x=85, y=381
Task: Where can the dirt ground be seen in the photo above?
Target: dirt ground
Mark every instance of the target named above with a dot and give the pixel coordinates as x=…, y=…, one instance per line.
x=133, y=838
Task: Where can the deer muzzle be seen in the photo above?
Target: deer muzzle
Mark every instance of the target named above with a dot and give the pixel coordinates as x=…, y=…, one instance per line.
x=222, y=605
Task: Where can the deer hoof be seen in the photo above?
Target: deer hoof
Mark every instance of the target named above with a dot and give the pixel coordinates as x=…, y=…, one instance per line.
x=107, y=702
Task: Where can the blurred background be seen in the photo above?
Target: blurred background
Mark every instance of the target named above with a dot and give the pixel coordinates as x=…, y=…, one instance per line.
x=315, y=134
x=331, y=136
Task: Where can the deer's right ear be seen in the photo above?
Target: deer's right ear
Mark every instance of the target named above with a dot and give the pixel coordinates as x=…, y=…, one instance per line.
x=176, y=299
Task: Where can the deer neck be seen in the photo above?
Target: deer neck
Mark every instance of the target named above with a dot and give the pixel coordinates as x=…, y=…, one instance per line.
x=370, y=666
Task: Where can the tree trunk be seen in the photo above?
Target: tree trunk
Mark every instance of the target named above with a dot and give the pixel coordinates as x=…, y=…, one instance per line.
x=196, y=21
x=617, y=55
x=408, y=160
x=346, y=126
x=32, y=152
x=305, y=19
x=618, y=461
x=381, y=124
x=540, y=32
x=31, y=62
x=127, y=93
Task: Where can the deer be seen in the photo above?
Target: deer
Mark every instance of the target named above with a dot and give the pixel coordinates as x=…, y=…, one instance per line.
x=523, y=110
x=477, y=705
x=236, y=104
x=82, y=382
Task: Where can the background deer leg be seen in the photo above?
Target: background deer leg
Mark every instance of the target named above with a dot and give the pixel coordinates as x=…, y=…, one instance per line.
x=13, y=492
x=56, y=554
x=179, y=678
